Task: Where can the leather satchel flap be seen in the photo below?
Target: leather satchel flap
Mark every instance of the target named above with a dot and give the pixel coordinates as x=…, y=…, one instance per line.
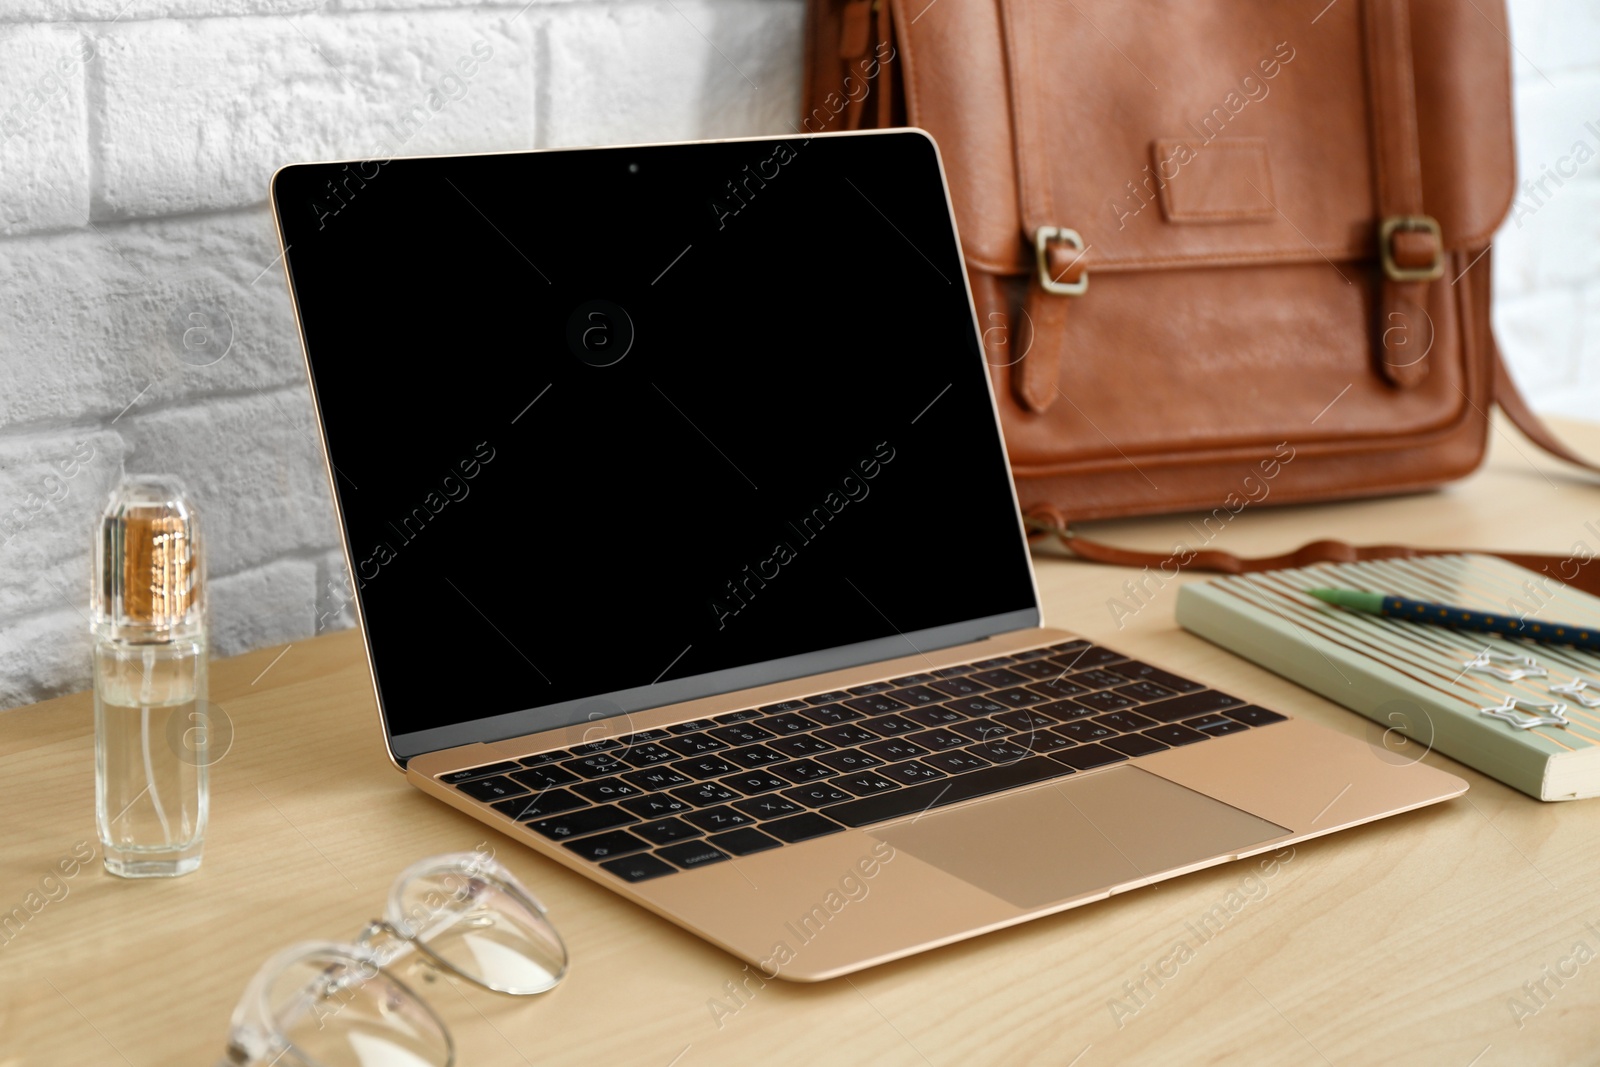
x=1203, y=133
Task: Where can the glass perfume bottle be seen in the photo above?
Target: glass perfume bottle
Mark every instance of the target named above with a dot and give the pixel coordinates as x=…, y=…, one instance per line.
x=150, y=680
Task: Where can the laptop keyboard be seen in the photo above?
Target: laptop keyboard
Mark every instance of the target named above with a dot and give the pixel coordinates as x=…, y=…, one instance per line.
x=700, y=792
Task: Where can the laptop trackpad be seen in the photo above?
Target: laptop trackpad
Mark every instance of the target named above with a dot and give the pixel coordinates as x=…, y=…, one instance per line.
x=1078, y=835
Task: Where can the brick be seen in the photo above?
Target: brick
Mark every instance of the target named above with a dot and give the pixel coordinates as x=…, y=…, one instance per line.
x=44, y=129
x=198, y=115
x=96, y=320
x=263, y=606
x=655, y=72
x=255, y=468
x=53, y=488
x=42, y=656
x=335, y=607
x=1538, y=335
x=129, y=10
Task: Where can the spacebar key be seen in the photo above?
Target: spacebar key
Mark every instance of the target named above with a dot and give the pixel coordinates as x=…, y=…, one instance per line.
x=920, y=798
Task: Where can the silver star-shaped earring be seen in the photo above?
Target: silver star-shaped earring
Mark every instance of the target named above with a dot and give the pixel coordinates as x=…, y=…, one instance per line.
x=1520, y=713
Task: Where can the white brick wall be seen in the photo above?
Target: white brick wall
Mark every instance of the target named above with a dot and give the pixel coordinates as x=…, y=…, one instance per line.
x=143, y=320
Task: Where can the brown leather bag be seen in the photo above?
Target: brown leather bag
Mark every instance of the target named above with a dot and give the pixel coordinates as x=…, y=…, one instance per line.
x=1221, y=253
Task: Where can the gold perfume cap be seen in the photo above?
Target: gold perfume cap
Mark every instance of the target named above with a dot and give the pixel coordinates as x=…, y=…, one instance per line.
x=149, y=582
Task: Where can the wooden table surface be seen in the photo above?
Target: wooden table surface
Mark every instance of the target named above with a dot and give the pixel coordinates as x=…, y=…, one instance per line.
x=1414, y=940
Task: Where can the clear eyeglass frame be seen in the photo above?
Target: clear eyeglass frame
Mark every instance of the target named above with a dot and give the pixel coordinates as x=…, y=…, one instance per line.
x=328, y=1004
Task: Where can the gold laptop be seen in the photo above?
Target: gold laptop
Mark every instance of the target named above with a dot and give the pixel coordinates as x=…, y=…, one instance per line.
x=686, y=554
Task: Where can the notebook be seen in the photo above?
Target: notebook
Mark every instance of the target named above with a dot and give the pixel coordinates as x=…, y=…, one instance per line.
x=1413, y=681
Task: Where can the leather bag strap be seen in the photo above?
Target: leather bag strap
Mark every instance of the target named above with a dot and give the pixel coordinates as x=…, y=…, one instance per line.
x=1411, y=249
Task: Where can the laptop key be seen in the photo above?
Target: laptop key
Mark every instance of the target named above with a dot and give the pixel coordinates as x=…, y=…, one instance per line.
x=784, y=705
x=753, y=782
x=936, y=715
x=988, y=664
x=495, y=788
x=1144, y=692
x=584, y=821
x=954, y=672
x=911, y=773
x=913, y=679
x=656, y=778
x=801, y=827
x=1143, y=672
x=1032, y=653
x=999, y=677
x=591, y=747
x=606, y=789
x=889, y=725
x=744, y=841
x=832, y=714
x=1042, y=741
x=803, y=770
x=1251, y=715
x=1104, y=701
x=1126, y=722
x=976, y=706
x=958, y=687
x=1136, y=745
x=546, y=802
x=740, y=733
x=755, y=756
x=654, y=805
x=1189, y=705
x=955, y=762
x=694, y=744
x=1038, y=670
x=895, y=748
x=845, y=736
x=598, y=766
x=543, y=757
x=1096, y=679
x=1018, y=697
x=788, y=723
x=719, y=818
x=833, y=696
x=1084, y=731
x=1064, y=710
x=1003, y=750
x=692, y=854
x=799, y=745
x=541, y=776
x=691, y=726
x=1175, y=735
x=638, y=868
x=705, y=794
x=603, y=846
x=982, y=730
x=815, y=796
x=915, y=799
x=938, y=740
x=1056, y=688
x=647, y=754
x=666, y=831
x=1024, y=721
x=870, y=688
x=876, y=704
x=768, y=807
x=1095, y=656
x=852, y=759
x=1088, y=757
x=703, y=767
x=864, y=783
x=457, y=777
x=738, y=716
x=639, y=737
x=917, y=695
x=1215, y=725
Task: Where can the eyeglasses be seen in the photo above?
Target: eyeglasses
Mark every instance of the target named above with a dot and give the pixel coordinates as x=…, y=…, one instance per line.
x=321, y=1004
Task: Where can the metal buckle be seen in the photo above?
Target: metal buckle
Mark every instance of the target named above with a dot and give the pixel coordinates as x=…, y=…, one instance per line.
x=1410, y=223
x=1041, y=242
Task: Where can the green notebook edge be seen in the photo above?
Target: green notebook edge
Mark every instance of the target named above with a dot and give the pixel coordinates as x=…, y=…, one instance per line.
x=1368, y=686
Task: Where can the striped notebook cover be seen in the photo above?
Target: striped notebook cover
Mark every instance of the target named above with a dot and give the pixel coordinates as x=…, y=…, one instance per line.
x=1411, y=678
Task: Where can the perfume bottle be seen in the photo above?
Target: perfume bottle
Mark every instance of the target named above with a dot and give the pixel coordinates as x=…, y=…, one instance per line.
x=150, y=680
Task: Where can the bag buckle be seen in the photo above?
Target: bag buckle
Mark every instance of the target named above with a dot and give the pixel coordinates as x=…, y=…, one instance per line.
x=1410, y=224
x=1041, y=246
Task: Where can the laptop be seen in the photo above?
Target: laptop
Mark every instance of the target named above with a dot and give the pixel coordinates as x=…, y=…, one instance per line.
x=686, y=554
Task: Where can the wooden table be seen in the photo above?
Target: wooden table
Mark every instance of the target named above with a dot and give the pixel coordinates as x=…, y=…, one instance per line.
x=1407, y=941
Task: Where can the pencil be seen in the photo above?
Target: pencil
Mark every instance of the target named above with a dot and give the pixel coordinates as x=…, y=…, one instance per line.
x=1456, y=618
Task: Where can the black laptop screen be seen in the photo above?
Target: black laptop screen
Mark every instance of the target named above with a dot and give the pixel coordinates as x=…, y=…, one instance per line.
x=665, y=420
